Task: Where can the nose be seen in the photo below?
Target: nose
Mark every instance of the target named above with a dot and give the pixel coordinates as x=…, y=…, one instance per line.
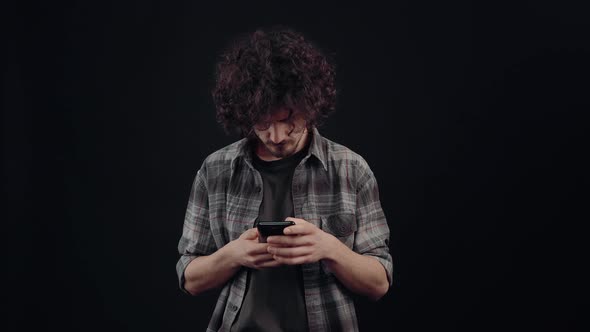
x=277, y=132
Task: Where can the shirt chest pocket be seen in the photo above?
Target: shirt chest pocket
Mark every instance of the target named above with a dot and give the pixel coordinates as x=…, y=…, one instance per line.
x=342, y=225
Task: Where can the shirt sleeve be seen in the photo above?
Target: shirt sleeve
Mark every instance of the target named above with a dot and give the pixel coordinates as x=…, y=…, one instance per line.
x=372, y=237
x=196, y=239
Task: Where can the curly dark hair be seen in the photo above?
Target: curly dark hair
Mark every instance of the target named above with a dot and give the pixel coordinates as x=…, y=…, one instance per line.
x=270, y=68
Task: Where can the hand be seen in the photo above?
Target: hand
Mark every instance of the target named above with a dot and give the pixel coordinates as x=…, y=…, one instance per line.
x=302, y=243
x=250, y=253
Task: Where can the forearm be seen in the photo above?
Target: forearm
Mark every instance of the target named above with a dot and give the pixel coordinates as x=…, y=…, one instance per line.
x=363, y=275
x=207, y=272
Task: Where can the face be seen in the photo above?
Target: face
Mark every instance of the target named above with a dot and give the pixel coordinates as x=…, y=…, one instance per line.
x=282, y=134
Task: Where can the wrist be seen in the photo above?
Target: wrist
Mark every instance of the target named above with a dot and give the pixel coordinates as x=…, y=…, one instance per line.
x=333, y=249
x=230, y=256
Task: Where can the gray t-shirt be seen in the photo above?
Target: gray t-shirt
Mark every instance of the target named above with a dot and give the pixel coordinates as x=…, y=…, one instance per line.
x=274, y=299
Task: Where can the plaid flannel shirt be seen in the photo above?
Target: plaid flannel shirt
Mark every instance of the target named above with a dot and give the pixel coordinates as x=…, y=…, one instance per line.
x=333, y=188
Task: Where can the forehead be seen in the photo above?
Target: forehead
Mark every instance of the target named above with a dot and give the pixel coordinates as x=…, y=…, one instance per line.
x=279, y=113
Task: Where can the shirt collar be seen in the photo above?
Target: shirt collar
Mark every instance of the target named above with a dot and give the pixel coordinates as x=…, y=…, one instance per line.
x=317, y=149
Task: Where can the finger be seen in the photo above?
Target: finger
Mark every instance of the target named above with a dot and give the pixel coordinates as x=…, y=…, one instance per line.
x=301, y=226
x=296, y=220
x=261, y=258
x=298, y=229
x=270, y=263
x=290, y=252
x=293, y=260
x=288, y=241
x=265, y=260
x=254, y=261
x=257, y=248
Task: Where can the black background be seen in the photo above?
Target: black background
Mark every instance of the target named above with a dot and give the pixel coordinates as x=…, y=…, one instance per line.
x=471, y=117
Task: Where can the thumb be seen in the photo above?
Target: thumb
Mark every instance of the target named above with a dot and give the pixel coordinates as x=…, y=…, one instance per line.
x=250, y=234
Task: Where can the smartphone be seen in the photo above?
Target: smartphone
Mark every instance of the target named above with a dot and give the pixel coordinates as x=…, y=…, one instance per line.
x=267, y=228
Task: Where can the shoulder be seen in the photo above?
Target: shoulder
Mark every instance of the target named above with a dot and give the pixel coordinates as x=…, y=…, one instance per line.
x=339, y=155
x=225, y=154
x=220, y=160
x=350, y=167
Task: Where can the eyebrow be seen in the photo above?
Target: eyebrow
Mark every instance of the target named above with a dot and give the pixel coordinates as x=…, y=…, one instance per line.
x=291, y=111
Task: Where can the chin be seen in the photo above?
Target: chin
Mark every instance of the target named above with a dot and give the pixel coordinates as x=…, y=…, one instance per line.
x=282, y=153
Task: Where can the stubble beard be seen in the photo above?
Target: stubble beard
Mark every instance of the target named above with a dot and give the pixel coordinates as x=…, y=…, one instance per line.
x=285, y=149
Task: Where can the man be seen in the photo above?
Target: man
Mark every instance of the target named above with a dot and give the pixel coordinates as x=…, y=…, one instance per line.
x=274, y=88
